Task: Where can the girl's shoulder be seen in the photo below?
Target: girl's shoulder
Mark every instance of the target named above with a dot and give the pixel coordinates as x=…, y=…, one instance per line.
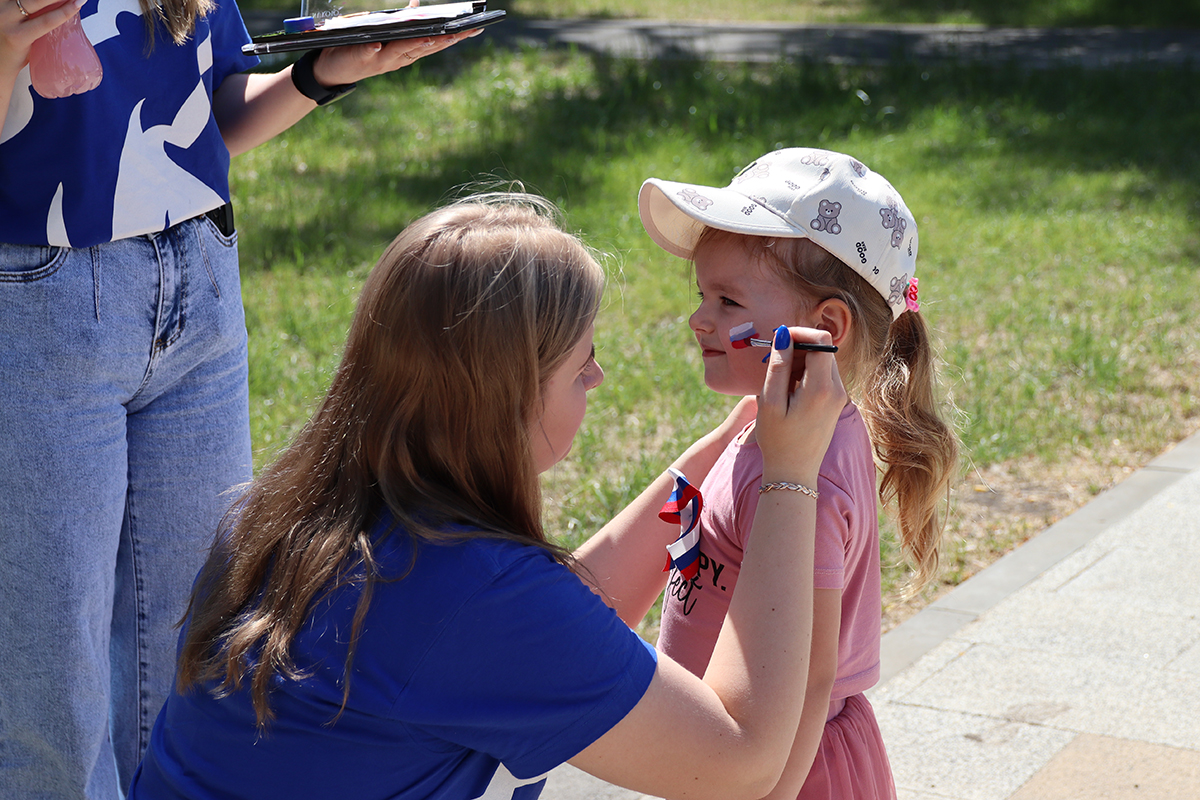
x=850, y=448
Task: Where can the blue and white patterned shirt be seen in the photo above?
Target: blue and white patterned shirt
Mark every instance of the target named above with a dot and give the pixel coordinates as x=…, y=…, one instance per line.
x=135, y=155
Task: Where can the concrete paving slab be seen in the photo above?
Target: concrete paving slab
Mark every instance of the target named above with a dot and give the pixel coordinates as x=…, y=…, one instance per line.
x=568, y=783
x=1097, y=626
x=1099, y=693
x=964, y=756
x=1187, y=661
x=917, y=674
x=1158, y=592
x=1104, y=768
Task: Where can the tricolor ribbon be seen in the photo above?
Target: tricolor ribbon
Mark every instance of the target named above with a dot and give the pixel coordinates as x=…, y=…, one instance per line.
x=684, y=508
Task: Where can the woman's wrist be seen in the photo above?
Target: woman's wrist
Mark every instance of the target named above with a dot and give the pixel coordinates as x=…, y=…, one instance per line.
x=305, y=80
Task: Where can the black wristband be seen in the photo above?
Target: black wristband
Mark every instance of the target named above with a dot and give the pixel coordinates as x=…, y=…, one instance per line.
x=306, y=83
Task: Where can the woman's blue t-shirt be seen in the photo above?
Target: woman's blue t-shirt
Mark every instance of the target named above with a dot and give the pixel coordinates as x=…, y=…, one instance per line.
x=483, y=669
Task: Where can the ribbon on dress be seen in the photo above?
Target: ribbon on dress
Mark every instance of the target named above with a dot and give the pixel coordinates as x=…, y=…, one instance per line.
x=683, y=508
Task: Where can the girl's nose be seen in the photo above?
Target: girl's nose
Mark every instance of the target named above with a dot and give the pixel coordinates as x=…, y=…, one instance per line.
x=698, y=321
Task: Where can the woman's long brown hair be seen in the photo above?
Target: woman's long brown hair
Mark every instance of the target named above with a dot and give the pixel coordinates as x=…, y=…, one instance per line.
x=889, y=367
x=459, y=325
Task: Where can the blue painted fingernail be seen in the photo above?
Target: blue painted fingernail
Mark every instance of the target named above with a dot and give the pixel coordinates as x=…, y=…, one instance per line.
x=783, y=337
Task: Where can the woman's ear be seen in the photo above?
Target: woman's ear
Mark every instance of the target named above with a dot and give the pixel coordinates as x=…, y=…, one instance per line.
x=833, y=315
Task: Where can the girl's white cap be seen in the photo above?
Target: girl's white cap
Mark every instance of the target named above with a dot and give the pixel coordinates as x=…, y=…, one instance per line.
x=798, y=192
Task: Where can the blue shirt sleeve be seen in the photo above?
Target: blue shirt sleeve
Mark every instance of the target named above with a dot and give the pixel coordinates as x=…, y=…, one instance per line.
x=531, y=669
x=228, y=35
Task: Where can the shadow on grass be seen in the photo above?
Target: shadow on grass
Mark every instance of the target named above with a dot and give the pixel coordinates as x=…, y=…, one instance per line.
x=1065, y=119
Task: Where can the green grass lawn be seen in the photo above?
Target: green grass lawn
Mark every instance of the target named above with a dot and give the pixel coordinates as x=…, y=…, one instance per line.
x=1060, y=244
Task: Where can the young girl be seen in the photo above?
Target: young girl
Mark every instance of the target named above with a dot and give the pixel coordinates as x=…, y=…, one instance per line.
x=813, y=238
x=383, y=614
x=123, y=373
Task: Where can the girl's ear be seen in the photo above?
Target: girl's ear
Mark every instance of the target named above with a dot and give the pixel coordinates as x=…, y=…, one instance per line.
x=833, y=315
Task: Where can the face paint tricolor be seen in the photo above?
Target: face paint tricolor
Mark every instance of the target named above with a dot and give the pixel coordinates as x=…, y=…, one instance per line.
x=740, y=335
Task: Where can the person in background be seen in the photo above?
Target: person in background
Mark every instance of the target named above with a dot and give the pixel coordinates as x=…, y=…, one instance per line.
x=123, y=373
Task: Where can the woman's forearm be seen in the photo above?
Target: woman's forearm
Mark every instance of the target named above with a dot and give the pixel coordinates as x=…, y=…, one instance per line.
x=625, y=558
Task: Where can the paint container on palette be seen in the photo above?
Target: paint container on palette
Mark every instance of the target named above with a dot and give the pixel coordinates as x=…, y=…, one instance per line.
x=63, y=62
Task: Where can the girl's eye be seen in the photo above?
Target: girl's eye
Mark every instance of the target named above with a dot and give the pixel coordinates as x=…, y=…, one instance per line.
x=725, y=301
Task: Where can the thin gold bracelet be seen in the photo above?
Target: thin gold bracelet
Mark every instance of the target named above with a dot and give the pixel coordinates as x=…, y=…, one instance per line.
x=792, y=487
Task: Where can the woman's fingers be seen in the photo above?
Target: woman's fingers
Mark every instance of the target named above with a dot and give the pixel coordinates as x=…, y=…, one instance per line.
x=353, y=63
x=18, y=31
x=796, y=419
x=778, y=384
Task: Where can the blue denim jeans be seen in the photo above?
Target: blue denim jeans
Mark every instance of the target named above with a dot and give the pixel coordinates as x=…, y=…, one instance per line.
x=124, y=421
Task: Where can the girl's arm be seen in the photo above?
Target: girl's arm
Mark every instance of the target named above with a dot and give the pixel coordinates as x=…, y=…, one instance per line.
x=822, y=670
x=729, y=735
x=18, y=33
x=251, y=108
x=626, y=556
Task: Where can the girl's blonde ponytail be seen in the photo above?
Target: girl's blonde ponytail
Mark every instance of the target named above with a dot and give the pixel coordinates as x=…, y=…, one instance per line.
x=917, y=449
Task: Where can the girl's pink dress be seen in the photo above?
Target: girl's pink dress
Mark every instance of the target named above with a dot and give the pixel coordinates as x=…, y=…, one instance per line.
x=851, y=763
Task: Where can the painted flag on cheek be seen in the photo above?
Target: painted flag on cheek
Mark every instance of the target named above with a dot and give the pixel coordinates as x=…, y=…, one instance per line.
x=740, y=335
x=683, y=508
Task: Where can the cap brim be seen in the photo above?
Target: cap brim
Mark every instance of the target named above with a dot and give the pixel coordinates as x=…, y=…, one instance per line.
x=675, y=214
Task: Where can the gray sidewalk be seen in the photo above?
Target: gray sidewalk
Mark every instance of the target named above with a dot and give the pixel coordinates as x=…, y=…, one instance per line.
x=1067, y=670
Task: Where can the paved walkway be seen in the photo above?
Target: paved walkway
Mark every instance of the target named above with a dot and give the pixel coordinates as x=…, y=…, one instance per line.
x=1067, y=670
x=869, y=44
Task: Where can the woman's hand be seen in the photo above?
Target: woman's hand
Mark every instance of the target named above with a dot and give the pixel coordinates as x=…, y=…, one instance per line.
x=353, y=63
x=21, y=24
x=796, y=418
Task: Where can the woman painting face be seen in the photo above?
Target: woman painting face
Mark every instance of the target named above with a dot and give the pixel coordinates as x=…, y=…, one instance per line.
x=564, y=401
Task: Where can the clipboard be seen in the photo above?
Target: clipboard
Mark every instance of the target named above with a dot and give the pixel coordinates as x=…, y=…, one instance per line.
x=380, y=26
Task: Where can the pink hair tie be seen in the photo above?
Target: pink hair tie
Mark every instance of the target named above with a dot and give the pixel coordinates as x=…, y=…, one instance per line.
x=910, y=297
